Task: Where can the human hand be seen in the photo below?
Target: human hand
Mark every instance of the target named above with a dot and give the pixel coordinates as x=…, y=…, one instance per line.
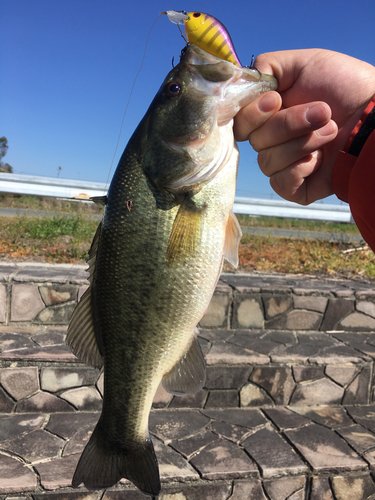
x=299, y=130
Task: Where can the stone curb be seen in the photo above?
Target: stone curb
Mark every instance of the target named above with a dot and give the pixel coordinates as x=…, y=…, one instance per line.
x=47, y=294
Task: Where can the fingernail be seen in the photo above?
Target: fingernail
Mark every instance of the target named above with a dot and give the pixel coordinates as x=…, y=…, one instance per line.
x=269, y=102
x=316, y=114
x=328, y=129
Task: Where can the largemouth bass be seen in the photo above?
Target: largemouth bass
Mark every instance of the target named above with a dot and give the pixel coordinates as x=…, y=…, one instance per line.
x=156, y=258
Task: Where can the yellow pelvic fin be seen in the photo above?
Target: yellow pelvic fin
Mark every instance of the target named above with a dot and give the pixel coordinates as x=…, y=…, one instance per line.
x=186, y=232
x=233, y=235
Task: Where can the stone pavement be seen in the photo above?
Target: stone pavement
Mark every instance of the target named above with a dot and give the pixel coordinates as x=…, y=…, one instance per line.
x=287, y=411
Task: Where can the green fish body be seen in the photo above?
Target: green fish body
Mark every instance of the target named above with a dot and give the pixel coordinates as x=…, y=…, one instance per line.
x=156, y=259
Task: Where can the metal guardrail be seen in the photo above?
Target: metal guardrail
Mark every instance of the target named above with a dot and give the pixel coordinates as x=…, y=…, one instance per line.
x=83, y=190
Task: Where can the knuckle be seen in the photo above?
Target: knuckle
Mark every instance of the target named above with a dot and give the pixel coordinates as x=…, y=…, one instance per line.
x=265, y=161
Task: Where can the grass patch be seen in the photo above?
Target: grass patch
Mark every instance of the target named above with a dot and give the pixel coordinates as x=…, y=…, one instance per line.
x=56, y=239
x=48, y=203
x=303, y=225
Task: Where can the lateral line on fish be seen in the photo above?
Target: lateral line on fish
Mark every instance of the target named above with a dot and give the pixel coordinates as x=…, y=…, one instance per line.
x=127, y=104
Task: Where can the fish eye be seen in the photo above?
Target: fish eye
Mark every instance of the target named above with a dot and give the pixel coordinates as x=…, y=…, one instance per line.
x=196, y=14
x=172, y=89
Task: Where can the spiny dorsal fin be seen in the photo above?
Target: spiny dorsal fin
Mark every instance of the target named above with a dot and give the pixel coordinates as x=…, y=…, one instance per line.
x=233, y=235
x=188, y=374
x=186, y=232
x=100, y=200
x=81, y=335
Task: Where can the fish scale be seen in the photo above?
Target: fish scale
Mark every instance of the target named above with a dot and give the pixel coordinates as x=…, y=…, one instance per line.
x=156, y=259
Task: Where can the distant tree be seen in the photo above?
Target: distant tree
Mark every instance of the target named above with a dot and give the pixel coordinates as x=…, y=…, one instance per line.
x=4, y=167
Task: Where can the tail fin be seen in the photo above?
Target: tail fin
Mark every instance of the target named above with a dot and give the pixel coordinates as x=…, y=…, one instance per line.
x=102, y=465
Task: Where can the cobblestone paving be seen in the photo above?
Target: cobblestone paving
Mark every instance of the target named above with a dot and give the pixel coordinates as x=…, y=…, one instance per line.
x=287, y=411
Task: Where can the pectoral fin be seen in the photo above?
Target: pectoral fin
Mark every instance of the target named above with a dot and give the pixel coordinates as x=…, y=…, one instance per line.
x=186, y=232
x=188, y=374
x=233, y=235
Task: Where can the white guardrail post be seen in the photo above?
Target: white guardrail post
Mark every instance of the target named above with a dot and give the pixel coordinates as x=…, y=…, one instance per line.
x=83, y=190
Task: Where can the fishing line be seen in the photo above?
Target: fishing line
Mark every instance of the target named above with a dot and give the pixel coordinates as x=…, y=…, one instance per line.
x=127, y=105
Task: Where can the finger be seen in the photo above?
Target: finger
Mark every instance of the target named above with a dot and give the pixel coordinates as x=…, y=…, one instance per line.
x=303, y=182
x=276, y=158
x=255, y=114
x=290, y=123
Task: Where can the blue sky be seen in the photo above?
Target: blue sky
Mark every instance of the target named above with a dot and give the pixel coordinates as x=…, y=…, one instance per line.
x=67, y=68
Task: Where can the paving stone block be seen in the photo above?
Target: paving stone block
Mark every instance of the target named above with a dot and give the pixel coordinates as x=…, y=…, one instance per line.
x=15, y=476
x=26, y=303
x=274, y=456
x=252, y=395
x=294, y=354
x=363, y=415
x=231, y=432
x=231, y=354
x=357, y=321
x=57, y=294
x=52, y=336
x=194, y=444
x=177, y=424
x=13, y=426
x=284, y=418
x=366, y=307
x=318, y=392
x=247, y=311
x=161, y=399
x=224, y=460
x=222, y=399
x=43, y=402
x=329, y=416
x=56, y=315
x=206, y=491
x=57, y=473
x=276, y=381
x=81, y=291
x=172, y=465
x=56, y=379
x=197, y=400
x=78, y=441
x=35, y=446
x=226, y=377
x=355, y=488
x=276, y=304
x=310, y=303
x=3, y=303
x=343, y=375
x=254, y=342
x=336, y=310
x=300, y=319
x=66, y=425
x=6, y=403
x=246, y=417
x=324, y=449
x=84, y=495
x=217, y=312
x=83, y=398
x=358, y=437
x=305, y=373
x=321, y=489
x=251, y=490
x=20, y=382
x=282, y=489
x=359, y=391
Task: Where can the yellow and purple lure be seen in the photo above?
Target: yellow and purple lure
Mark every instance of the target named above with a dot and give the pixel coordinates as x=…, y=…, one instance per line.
x=206, y=32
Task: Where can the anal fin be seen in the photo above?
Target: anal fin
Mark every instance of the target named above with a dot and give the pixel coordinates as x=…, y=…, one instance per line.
x=233, y=236
x=189, y=374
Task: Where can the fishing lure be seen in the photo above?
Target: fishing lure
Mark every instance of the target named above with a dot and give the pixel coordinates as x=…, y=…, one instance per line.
x=206, y=32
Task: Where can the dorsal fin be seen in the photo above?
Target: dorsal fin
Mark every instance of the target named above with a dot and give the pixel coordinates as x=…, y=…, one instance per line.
x=81, y=335
x=188, y=374
x=233, y=235
x=100, y=200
